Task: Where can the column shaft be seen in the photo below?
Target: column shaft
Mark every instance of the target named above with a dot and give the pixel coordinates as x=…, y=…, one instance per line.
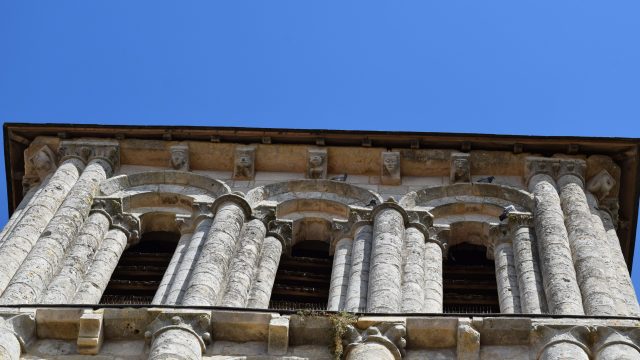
x=340, y=275
x=413, y=271
x=359, y=271
x=585, y=248
x=564, y=351
x=244, y=265
x=179, y=283
x=172, y=269
x=19, y=211
x=558, y=273
x=43, y=261
x=9, y=346
x=64, y=285
x=368, y=351
x=525, y=254
x=385, y=277
x=175, y=343
x=619, y=268
x=266, y=275
x=433, y=293
x=104, y=262
x=619, y=351
x=35, y=218
x=211, y=269
x=506, y=279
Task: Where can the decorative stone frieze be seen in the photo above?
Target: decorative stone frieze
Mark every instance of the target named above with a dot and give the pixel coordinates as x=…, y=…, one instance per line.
x=179, y=157
x=182, y=335
x=244, y=163
x=384, y=341
x=561, y=342
x=317, y=163
x=460, y=168
x=390, y=173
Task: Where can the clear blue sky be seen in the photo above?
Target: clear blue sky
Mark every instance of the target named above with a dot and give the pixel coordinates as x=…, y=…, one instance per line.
x=511, y=67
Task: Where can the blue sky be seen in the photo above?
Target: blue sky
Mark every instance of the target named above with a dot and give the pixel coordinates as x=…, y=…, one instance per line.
x=510, y=67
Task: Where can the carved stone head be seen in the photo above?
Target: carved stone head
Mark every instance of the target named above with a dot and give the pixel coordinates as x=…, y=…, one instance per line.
x=180, y=157
x=460, y=168
x=601, y=184
x=390, y=169
x=244, y=167
x=43, y=162
x=317, y=163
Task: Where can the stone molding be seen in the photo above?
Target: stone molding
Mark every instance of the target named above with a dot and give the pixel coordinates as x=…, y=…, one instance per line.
x=194, y=322
x=391, y=335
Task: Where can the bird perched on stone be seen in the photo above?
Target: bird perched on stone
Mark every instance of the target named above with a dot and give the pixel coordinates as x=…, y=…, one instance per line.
x=506, y=212
x=342, y=177
x=487, y=180
x=372, y=203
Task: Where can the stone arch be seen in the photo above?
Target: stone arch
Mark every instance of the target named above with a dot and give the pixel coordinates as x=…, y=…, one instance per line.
x=335, y=191
x=468, y=202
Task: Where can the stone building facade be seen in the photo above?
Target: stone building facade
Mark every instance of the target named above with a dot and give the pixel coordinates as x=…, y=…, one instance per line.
x=220, y=243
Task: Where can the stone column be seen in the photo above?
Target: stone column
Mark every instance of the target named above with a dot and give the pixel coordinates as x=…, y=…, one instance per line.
x=16, y=330
x=179, y=283
x=385, y=273
x=266, y=275
x=9, y=345
x=244, y=264
x=561, y=343
x=525, y=257
x=35, y=217
x=619, y=268
x=558, y=274
x=583, y=239
x=125, y=228
x=359, y=271
x=413, y=279
x=506, y=277
x=32, y=193
x=384, y=341
x=340, y=275
x=613, y=344
x=178, y=336
x=433, y=291
x=211, y=268
x=39, y=267
x=64, y=285
x=186, y=234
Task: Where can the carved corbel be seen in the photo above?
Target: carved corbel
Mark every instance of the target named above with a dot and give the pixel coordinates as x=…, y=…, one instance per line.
x=244, y=163
x=22, y=326
x=317, y=163
x=282, y=230
x=42, y=163
x=90, y=332
x=390, y=172
x=601, y=184
x=179, y=157
x=460, y=168
x=196, y=323
x=545, y=336
x=390, y=335
x=468, y=341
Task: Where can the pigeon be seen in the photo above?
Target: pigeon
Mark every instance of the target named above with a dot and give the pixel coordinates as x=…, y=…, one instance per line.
x=342, y=177
x=506, y=212
x=372, y=203
x=487, y=180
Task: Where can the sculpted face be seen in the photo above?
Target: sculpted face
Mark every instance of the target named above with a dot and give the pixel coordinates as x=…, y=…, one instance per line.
x=178, y=159
x=601, y=184
x=244, y=160
x=391, y=163
x=460, y=168
x=42, y=162
x=316, y=160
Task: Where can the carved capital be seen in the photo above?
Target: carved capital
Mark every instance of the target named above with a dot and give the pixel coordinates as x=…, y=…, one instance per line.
x=23, y=326
x=518, y=220
x=129, y=224
x=196, y=323
x=244, y=163
x=86, y=150
x=421, y=220
x=283, y=231
x=606, y=336
x=390, y=335
x=232, y=198
x=264, y=213
x=546, y=336
x=572, y=167
x=317, y=163
x=499, y=234
x=460, y=168
x=540, y=165
x=107, y=206
x=42, y=162
x=391, y=204
x=179, y=157
x=200, y=210
x=390, y=173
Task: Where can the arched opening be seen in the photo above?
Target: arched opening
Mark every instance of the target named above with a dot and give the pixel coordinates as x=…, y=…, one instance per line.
x=137, y=276
x=469, y=280
x=304, y=275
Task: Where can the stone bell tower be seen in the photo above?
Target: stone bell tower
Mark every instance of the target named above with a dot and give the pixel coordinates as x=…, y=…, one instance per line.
x=220, y=243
